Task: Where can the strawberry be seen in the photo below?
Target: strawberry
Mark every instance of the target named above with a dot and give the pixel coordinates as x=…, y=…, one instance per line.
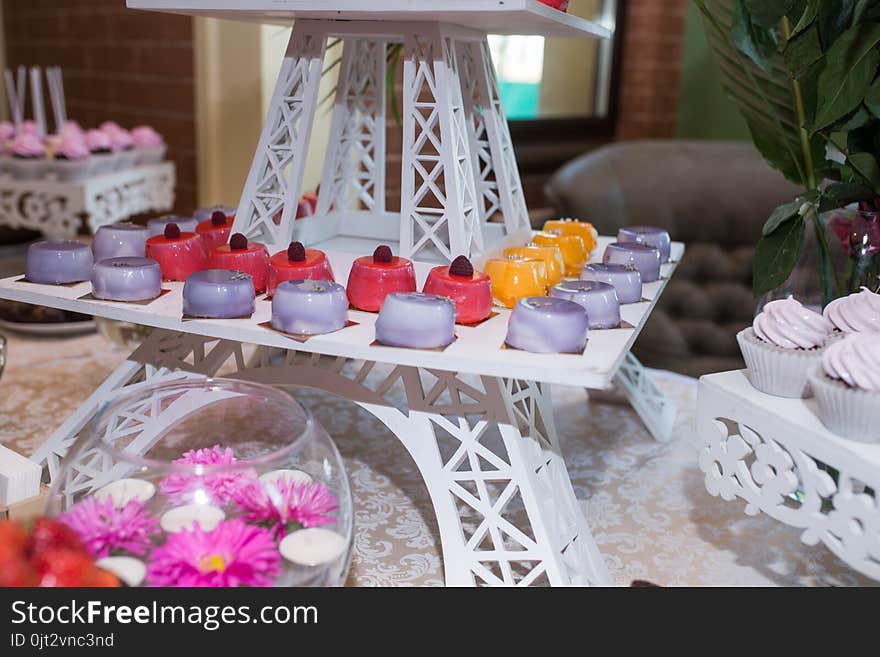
x=15, y=572
x=51, y=534
x=62, y=567
x=13, y=536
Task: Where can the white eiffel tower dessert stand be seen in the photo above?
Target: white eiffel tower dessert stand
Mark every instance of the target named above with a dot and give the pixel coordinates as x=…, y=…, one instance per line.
x=478, y=418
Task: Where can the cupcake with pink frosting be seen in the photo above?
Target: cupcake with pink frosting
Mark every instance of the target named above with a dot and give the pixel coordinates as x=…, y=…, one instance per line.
x=99, y=145
x=847, y=387
x=7, y=134
x=784, y=343
x=28, y=159
x=149, y=144
x=73, y=160
x=122, y=144
x=857, y=313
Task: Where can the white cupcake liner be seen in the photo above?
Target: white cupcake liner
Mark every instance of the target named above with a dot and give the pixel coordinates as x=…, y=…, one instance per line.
x=152, y=155
x=28, y=168
x=849, y=412
x=103, y=163
x=72, y=170
x=777, y=371
x=126, y=159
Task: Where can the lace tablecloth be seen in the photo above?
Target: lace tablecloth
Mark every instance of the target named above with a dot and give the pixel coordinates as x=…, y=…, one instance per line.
x=645, y=501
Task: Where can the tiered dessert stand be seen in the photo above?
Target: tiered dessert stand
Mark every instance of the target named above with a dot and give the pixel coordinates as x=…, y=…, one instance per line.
x=57, y=209
x=478, y=418
x=775, y=454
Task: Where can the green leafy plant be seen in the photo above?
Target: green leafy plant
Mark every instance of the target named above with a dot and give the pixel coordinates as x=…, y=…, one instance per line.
x=804, y=74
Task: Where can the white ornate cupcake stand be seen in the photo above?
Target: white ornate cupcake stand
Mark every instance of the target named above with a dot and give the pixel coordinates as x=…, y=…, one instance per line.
x=478, y=418
x=775, y=454
x=57, y=208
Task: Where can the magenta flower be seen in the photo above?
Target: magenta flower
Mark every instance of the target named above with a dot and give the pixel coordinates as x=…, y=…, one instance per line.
x=232, y=554
x=217, y=487
x=105, y=528
x=282, y=502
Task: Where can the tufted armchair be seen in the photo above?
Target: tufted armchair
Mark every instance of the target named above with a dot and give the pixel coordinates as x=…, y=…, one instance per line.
x=715, y=196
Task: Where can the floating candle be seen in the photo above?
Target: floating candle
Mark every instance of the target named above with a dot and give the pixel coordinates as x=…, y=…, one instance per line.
x=470, y=291
x=298, y=263
x=157, y=226
x=119, y=240
x=372, y=278
x=598, y=299
x=286, y=476
x=58, y=262
x=416, y=320
x=551, y=255
x=218, y=294
x=546, y=325
x=126, y=279
x=649, y=235
x=312, y=547
x=128, y=569
x=241, y=255
x=644, y=258
x=309, y=307
x=122, y=491
x=178, y=254
x=514, y=278
x=582, y=229
x=184, y=517
x=625, y=279
x=574, y=251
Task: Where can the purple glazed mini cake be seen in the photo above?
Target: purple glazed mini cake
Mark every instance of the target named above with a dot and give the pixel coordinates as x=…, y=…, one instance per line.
x=644, y=258
x=625, y=279
x=309, y=307
x=126, y=279
x=783, y=344
x=649, y=235
x=58, y=262
x=547, y=325
x=847, y=387
x=598, y=299
x=119, y=240
x=416, y=320
x=218, y=294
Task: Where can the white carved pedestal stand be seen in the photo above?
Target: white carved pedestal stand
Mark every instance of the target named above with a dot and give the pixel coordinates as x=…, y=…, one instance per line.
x=57, y=209
x=478, y=418
x=775, y=454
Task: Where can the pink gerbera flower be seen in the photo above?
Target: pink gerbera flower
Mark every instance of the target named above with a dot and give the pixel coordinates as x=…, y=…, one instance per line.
x=232, y=554
x=282, y=502
x=217, y=487
x=104, y=527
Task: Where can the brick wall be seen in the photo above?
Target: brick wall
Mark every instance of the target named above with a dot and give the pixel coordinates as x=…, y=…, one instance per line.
x=651, y=68
x=130, y=66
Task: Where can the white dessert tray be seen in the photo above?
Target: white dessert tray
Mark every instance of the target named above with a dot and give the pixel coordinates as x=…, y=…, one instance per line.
x=493, y=16
x=776, y=455
x=477, y=350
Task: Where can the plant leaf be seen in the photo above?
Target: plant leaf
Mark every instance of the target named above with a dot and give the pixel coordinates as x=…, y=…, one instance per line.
x=834, y=18
x=872, y=98
x=866, y=166
x=803, y=51
x=776, y=255
x=850, y=66
x=841, y=194
x=754, y=41
x=767, y=13
x=780, y=215
x=807, y=18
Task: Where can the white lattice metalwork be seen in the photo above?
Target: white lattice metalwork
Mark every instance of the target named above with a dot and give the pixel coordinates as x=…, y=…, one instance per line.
x=486, y=447
x=772, y=453
x=656, y=409
x=272, y=191
x=59, y=209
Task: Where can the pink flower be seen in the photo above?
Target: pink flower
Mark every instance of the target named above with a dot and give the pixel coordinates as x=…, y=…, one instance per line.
x=232, y=554
x=859, y=236
x=217, y=487
x=104, y=527
x=282, y=502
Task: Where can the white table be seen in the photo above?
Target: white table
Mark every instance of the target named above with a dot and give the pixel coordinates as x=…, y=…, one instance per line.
x=775, y=454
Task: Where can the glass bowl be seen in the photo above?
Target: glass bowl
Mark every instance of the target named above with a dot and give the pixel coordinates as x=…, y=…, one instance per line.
x=208, y=482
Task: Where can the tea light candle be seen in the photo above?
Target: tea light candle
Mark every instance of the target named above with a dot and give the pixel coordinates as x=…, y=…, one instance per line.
x=312, y=547
x=649, y=235
x=58, y=262
x=126, y=279
x=551, y=255
x=625, y=279
x=547, y=325
x=218, y=294
x=416, y=320
x=128, y=569
x=644, y=258
x=574, y=251
x=582, y=229
x=119, y=240
x=122, y=491
x=184, y=517
x=309, y=307
x=157, y=226
x=286, y=476
x=598, y=299
x=515, y=277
